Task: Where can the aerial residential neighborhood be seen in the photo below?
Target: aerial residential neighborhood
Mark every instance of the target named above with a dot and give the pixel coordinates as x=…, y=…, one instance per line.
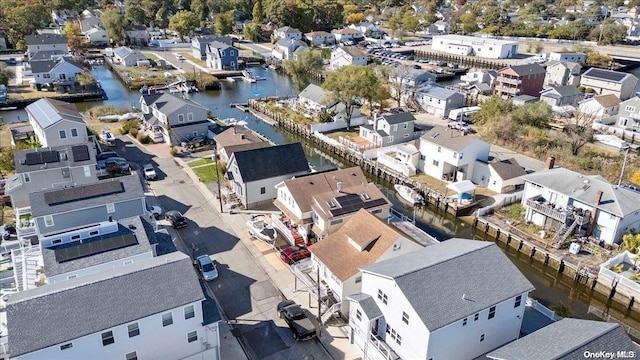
x=436, y=180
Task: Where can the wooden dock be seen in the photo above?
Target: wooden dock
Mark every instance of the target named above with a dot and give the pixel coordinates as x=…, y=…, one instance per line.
x=72, y=98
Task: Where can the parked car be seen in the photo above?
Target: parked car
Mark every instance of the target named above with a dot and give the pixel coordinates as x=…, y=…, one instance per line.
x=293, y=254
x=180, y=57
x=11, y=61
x=106, y=154
x=149, y=172
x=207, y=268
x=175, y=218
x=301, y=326
x=458, y=125
x=121, y=163
x=155, y=211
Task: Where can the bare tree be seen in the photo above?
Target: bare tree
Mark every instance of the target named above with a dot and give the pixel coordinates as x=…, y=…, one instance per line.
x=578, y=130
x=399, y=81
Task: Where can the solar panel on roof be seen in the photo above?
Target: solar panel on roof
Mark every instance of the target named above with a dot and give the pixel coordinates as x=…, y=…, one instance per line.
x=83, y=192
x=352, y=203
x=80, y=153
x=78, y=251
x=42, y=157
x=606, y=74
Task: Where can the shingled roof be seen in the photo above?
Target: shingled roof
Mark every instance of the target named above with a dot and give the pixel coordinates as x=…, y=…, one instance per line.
x=269, y=162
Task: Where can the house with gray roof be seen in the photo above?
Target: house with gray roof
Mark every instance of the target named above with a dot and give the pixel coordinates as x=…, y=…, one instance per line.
x=568, y=95
x=347, y=55
x=437, y=100
x=285, y=48
x=505, y=176
x=47, y=55
x=569, y=339
x=221, y=56
x=254, y=173
x=391, y=129
x=60, y=71
x=176, y=120
x=59, y=209
x=587, y=205
x=314, y=99
x=199, y=44
x=448, y=154
x=57, y=123
x=287, y=33
x=458, y=299
x=150, y=309
x=559, y=73
x=41, y=42
x=603, y=81
x=128, y=57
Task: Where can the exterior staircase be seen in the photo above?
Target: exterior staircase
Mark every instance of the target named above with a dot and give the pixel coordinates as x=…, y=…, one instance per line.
x=25, y=267
x=413, y=104
x=566, y=230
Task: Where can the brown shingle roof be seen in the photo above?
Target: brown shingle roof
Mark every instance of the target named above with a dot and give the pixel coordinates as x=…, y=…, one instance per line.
x=342, y=257
x=508, y=169
x=447, y=138
x=608, y=100
x=236, y=135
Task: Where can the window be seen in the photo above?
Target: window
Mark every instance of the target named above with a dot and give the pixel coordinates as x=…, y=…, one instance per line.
x=405, y=126
x=131, y=356
x=74, y=132
x=439, y=148
x=189, y=312
x=63, y=134
x=358, y=279
x=94, y=232
x=405, y=135
x=180, y=118
x=629, y=108
x=66, y=346
x=263, y=190
x=56, y=241
x=26, y=177
x=107, y=338
x=133, y=329
x=482, y=338
x=167, y=319
x=192, y=336
x=190, y=116
x=436, y=163
x=336, y=222
x=399, y=339
x=382, y=296
x=72, y=276
x=422, y=157
x=75, y=237
x=476, y=317
x=405, y=318
x=358, y=315
x=492, y=312
x=48, y=220
x=518, y=301
x=111, y=208
x=464, y=322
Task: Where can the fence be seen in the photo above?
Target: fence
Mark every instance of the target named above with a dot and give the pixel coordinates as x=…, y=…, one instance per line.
x=507, y=200
x=626, y=135
x=338, y=124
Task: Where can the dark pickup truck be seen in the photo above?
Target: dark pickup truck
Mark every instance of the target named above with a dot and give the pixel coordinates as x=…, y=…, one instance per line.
x=301, y=326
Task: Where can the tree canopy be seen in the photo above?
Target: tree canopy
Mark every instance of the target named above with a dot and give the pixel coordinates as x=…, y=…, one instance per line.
x=113, y=23
x=183, y=22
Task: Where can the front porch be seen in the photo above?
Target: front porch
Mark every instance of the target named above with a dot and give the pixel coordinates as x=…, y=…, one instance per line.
x=377, y=349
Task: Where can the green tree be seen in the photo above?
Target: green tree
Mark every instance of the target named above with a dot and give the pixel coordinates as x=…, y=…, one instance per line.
x=491, y=109
x=328, y=14
x=535, y=114
x=21, y=19
x=410, y=22
x=162, y=18
x=354, y=18
x=349, y=83
x=74, y=37
x=223, y=23
x=6, y=74
x=597, y=59
x=561, y=309
x=258, y=12
x=609, y=32
x=134, y=12
x=183, y=22
x=301, y=66
x=201, y=9
x=252, y=31
x=113, y=23
x=395, y=24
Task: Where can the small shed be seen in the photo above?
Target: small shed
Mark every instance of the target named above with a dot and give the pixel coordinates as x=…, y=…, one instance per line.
x=465, y=190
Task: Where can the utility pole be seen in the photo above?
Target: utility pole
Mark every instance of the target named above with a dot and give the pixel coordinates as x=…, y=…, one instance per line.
x=319, y=302
x=624, y=164
x=214, y=157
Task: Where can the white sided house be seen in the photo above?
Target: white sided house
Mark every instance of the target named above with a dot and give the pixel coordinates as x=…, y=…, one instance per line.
x=447, y=154
x=61, y=71
x=505, y=176
x=391, y=129
x=438, y=100
x=287, y=33
x=477, y=46
x=57, y=123
x=600, y=107
x=46, y=42
x=567, y=56
x=455, y=300
x=151, y=309
x=587, y=205
x=363, y=240
x=623, y=85
x=347, y=55
x=253, y=174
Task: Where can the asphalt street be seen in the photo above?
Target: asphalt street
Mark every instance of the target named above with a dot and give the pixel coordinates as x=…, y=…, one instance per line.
x=244, y=292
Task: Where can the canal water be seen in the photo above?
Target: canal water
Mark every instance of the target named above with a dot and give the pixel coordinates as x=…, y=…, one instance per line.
x=550, y=287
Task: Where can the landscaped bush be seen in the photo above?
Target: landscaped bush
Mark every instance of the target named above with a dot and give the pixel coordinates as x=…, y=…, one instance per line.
x=144, y=138
x=134, y=132
x=173, y=151
x=129, y=125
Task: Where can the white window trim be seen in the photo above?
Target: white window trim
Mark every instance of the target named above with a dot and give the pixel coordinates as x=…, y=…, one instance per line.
x=71, y=131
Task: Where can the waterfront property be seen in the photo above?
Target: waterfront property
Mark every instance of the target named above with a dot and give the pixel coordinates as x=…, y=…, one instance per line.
x=174, y=120
x=320, y=38
x=477, y=46
x=60, y=72
x=128, y=57
x=137, y=35
x=199, y=44
x=569, y=339
x=437, y=100
x=520, y=80
x=364, y=239
x=450, y=155
x=562, y=73
x=237, y=138
x=253, y=174
x=603, y=82
x=629, y=114
x=390, y=129
x=588, y=205
x=317, y=205
x=57, y=123
x=621, y=273
x=315, y=100
x=287, y=33
x=42, y=42
x=285, y=48
x=504, y=176
x=562, y=96
x=457, y=299
x=131, y=324
x=221, y=56
x=600, y=107
x=347, y=55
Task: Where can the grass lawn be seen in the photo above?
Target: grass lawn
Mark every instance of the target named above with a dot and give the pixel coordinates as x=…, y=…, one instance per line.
x=440, y=186
x=194, y=59
x=151, y=56
x=200, y=162
x=206, y=173
x=336, y=134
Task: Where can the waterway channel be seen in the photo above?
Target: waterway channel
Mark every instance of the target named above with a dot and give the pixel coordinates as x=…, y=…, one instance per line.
x=550, y=287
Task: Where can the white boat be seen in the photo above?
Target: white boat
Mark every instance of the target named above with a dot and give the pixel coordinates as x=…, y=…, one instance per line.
x=106, y=136
x=234, y=122
x=261, y=229
x=408, y=194
x=612, y=140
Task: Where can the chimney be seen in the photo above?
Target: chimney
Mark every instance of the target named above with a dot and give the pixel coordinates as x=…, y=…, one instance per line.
x=594, y=213
x=550, y=163
x=339, y=186
x=243, y=136
x=598, y=198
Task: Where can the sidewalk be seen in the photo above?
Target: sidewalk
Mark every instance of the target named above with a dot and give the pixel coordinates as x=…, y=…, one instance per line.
x=333, y=338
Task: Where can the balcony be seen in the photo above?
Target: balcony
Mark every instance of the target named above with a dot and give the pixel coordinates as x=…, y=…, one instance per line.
x=507, y=89
x=379, y=350
x=506, y=80
x=25, y=225
x=540, y=205
x=287, y=228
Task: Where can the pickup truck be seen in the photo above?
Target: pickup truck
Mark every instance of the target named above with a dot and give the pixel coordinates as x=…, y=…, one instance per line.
x=457, y=125
x=301, y=326
x=149, y=172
